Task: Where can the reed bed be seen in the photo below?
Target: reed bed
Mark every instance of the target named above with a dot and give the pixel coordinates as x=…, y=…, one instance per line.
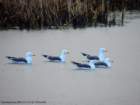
x=32, y=14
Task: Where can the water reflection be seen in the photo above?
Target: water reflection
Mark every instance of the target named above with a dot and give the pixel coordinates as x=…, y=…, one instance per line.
x=28, y=68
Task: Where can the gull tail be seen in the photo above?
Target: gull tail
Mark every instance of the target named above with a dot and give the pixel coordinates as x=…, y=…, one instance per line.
x=84, y=54
x=73, y=62
x=9, y=57
x=46, y=56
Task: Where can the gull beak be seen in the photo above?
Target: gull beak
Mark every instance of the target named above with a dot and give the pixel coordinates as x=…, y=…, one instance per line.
x=111, y=61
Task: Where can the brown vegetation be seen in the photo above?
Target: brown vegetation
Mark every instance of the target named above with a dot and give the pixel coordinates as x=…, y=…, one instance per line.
x=48, y=13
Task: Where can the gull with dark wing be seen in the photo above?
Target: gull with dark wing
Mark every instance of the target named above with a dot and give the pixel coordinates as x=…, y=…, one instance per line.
x=60, y=58
x=22, y=60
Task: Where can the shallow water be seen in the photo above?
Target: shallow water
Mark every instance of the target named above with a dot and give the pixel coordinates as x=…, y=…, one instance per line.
x=63, y=84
